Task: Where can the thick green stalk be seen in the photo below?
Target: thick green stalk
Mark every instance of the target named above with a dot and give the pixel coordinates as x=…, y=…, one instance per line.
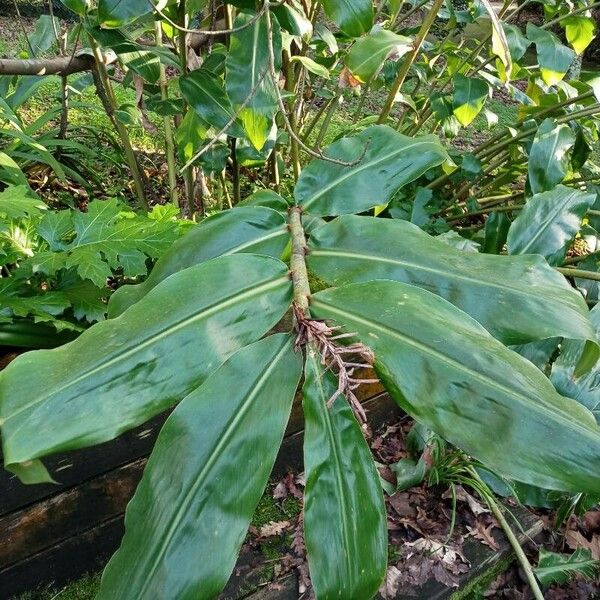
x=235, y=171
x=571, y=13
x=501, y=135
x=577, y=114
x=290, y=86
x=107, y=95
x=297, y=260
x=169, y=143
x=409, y=59
x=591, y=275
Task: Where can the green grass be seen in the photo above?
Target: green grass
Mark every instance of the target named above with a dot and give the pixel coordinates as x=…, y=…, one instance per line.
x=83, y=589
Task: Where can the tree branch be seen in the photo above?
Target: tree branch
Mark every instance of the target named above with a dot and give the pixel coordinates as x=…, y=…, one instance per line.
x=58, y=65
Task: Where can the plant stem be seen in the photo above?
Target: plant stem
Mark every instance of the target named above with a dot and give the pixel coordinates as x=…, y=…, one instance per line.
x=274, y=169
x=591, y=275
x=188, y=173
x=335, y=102
x=297, y=260
x=571, y=13
x=109, y=100
x=488, y=497
x=235, y=171
x=169, y=144
x=290, y=86
x=485, y=211
x=573, y=260
x=409, y=59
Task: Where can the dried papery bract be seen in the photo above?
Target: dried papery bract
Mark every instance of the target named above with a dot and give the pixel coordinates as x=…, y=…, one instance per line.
x=342, y=360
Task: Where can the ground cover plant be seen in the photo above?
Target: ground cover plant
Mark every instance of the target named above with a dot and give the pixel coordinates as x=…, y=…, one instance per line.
x=410, y=194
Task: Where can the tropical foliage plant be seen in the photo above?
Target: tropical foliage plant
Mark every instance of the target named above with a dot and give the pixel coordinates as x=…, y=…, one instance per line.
x=462, y=276
x=432, y=320
x=56, y=264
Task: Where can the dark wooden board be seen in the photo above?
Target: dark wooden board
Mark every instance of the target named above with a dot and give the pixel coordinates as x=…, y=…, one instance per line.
x=75, y=468
x=49, y=531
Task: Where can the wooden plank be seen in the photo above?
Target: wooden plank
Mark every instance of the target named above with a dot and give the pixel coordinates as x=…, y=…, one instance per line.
x=73, y=468
x=76, y=467
x=64, y=562
x=52, y=527
x=66, y=515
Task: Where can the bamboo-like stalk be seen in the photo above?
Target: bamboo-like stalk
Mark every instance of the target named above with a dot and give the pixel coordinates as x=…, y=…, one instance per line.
x=188, y=171
x=409, y=59
x=290, y=86
x=169, y=143
x=333, y=106
x=109, y=100
x=298, y=269
x=489, y=499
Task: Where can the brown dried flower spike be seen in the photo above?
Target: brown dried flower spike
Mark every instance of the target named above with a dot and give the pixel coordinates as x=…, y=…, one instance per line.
x=336, y=357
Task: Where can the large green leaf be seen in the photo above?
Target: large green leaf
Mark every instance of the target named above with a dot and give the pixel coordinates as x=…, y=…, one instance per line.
x=367, y=55
x=116, y=13
x=390, y=161
x=554, y=58
x=344, y=513
x=248, y=76
x=450, y=374
x=580, y=32
x=121, y=372
x=251, y=229
x=205, y=93
x=469, y=97
x=208, y=470
x=548, y=157
x=585, y=389
x=517, y=299
x=353, y=17
x=548, y=223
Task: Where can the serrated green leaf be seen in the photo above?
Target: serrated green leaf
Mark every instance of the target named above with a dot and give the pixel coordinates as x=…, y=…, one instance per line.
x=121, y=372
x=185, y=526
x=344, y=513
x=518, y=299
x=450, y=374
x=245, y=229
x=18, y=201
x=560, y=568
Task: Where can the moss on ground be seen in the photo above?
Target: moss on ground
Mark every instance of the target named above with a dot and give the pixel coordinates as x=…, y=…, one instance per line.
x=82, y=589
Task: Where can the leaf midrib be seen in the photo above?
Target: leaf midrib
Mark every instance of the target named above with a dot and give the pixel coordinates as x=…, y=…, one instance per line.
x=351, y=172
x=206, y=312
x=231, y=428
x=553, y=411
x=341, y=497
x=416, y=266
